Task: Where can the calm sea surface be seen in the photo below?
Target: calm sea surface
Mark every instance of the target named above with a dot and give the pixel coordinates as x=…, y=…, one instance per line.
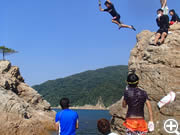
x=88, y=121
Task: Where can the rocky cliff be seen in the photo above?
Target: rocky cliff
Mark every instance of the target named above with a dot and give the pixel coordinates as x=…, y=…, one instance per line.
x=159, y=70
x=23, y=111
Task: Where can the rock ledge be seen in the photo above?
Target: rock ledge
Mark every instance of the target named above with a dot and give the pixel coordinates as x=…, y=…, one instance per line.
x=159, y=72
x=23, y=111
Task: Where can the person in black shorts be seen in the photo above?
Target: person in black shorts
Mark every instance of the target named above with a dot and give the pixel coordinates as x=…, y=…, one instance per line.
x=116, y=17
x=163, y=23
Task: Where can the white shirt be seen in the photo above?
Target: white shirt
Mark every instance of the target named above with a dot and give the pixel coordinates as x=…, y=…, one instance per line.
x=113, y=134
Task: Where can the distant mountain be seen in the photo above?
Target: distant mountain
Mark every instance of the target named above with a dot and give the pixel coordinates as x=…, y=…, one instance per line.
x=87, y=87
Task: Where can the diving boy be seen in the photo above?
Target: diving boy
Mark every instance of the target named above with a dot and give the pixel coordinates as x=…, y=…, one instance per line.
x=116, y=17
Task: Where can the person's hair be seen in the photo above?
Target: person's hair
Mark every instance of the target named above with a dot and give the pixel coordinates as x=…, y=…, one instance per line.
x=172, y=10
x=160, y=10
x=64, y=102
x=104, y=126
x=106, y=2
x=132, y=80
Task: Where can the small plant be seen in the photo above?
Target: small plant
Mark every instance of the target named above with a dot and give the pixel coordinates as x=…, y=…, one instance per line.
x=6, y=51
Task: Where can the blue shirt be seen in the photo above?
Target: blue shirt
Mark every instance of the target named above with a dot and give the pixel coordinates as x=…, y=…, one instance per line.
x=67, y=120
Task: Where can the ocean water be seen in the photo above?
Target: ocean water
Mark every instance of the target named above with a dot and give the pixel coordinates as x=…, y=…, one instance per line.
x=88, y=121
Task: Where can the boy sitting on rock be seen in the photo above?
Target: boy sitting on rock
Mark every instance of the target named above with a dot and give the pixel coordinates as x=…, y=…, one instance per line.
x=163, y=23
x=175, y=18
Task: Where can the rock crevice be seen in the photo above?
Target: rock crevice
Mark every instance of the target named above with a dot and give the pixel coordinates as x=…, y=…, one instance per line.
x=23, y=111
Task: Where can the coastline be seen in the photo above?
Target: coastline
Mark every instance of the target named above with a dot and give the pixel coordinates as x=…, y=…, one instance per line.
x=85, y=107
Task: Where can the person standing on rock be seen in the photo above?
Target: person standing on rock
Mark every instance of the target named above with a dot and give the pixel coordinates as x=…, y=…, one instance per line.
x=136, y=98
x=66, y=120
x=104, y=127
x=164, y=7
x=116, y=17
x=163, y=23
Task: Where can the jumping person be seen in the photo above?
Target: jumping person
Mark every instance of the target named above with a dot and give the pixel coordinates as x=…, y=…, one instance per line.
x=175, y=18
x=66, y=120
x=163, y=22
x=136, y=98
x=116, y=17
x=164, y=7
x=104, y=127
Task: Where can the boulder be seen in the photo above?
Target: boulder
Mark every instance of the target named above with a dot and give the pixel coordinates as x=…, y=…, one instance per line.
x=23, y=111
x=159, y=70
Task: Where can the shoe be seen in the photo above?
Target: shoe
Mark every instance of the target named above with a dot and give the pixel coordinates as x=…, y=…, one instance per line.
x=153, y=44
x=159, y=43
x=133, y=28
x=120, y=27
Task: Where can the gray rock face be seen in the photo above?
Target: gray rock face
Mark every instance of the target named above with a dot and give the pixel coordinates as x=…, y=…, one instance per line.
x=159, y=72
x=23, y=111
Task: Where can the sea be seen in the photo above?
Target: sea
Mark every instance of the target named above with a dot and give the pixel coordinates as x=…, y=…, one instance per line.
x=88, y=121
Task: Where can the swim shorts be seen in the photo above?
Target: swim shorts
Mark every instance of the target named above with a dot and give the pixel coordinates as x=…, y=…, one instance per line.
x=161, y=31
x=117, y=18
x=136, y=126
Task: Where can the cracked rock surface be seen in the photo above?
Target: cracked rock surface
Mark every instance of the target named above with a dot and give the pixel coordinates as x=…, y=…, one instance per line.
x=23, y=111
x=159, y=70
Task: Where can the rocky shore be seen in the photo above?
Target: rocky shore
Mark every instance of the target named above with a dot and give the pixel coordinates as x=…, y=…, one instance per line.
x=159, y=70
x=23, y=111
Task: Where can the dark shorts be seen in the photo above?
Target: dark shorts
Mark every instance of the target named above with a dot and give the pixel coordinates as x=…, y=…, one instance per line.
x=117, y=18
x=161, y=31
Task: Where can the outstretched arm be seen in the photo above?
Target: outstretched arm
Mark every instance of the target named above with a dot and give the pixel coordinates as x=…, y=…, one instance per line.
x=100, y=8
x=150, y=110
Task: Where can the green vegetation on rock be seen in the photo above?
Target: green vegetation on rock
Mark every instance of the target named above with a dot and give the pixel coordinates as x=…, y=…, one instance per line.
x=6, y=51
x=87, y=87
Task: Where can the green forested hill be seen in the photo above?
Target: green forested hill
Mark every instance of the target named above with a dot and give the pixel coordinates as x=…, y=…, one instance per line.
x=87, y=87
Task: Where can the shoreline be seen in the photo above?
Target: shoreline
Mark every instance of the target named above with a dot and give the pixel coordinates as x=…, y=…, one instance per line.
x=84, y=108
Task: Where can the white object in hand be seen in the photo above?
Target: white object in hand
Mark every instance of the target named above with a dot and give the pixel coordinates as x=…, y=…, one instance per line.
x=167, y=99
x=159, y=15
x=151, y=126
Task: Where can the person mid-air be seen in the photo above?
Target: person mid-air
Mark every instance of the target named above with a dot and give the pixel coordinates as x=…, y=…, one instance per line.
x=116, y=17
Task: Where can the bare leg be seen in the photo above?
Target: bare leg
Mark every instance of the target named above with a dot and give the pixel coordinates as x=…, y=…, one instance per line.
x=121, y=25
x=126, y=26
x=158, y=35
x=163, y=36
x=116, y=22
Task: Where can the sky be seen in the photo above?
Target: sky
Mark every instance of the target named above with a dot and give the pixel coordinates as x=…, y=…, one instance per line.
x=58, y=38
